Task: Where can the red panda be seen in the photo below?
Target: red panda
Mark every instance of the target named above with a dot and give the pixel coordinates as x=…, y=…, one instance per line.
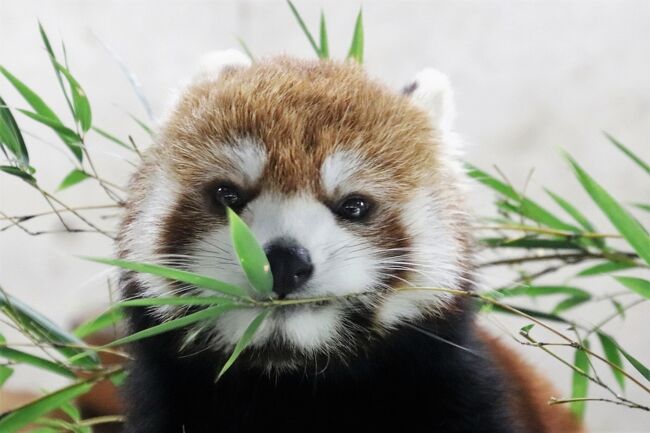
x=354, y=191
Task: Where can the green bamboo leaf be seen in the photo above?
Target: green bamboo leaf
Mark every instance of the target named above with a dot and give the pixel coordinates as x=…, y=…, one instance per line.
x=74, y=177
x=174, y=274
x=35, y=361
x=636, y=363
x=526, y=329
x=531, y=242
x=45, y=330
x=304, y=28
x=24, y=415
x=5, y=374
x=572, y=211
x=569, y=303
x=182, y=322
x=82, y=111
x=627, y=226
x=605, y=268
x=619, y=308
x=67, y=135
x=535, y=291
x=175, y=300
x=10, y=135
x=107, y=319
x=641, y=163
x=324, y=51
x=18, y=172
x=532, y=313
x=638, y=285
x=111, y=137
x=244, y=341
x=580, y=383
x=141, y=124
x=610, y=348
x=250, y=254
x=526, y=207
x=53, y=62
x=642, y=206
x=244, y=46
x=356, y=47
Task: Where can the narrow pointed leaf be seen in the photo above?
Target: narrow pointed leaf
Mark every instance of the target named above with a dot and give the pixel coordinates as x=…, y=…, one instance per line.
x=580, y=383
x=535, y=291
x=45, y=330
x=5, y=374
x=605, y=268
x=73, y=178
x=175, y=274
x=627, y=226
x=641, y=163
x=610, y=348
x=356, y=47
x=244, y=341
x=182, y=322
x=175, y=300
x=304, y=28
x=15, y=171
x=636, y=364
x=531, y=242
x=82, y=111
x=526, y=207
x=244, y=46
x=111, y=137
x=324, y=51
x=141, y=124
x=24, y=415
x=35, y=361
x=642, y=206
x=54, y=62
x=571, y=210
x=250, y=254
x=10, y=135
x=107, y=319
x=570, y=303
x=67, y=135
x=638, y=285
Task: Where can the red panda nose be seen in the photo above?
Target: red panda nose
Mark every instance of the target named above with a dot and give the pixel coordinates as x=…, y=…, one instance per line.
x=290, y=265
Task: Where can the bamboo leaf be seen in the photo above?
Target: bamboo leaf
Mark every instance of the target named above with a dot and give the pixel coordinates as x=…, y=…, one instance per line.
x=642, y=206
x=304, y=28
x=324, y=51
x=10, y=135
x=107, y=319
x=246, y=49
x=535, y=291
x=140, y=123
x=182, y=322
x=24, y=415
x=569, y=303
x=636, y=364
x=356, y=47
x=638, y=285
x=174, y=274
x=5, y=374
x=641, y=163
x=18, y=172
x=572, y=211
x=67, y=135
x=82, y=111
x=175, y=300
x=580, y=383
x=33, y=360
x=250, y=254
x=45, y=330
x=244, y=341
x=531, y=242
x=111, y=137
x=605, y=268
x=627, y=226
x=610, y=348
x=74, y=177
x=526, y=207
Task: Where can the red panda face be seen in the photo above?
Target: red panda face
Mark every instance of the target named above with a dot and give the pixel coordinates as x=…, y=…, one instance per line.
x=348, y=186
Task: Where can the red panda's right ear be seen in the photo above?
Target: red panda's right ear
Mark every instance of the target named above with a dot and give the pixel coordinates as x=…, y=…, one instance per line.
x=431, y=90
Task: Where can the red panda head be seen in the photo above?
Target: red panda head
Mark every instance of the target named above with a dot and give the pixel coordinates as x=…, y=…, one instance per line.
x=350, y=187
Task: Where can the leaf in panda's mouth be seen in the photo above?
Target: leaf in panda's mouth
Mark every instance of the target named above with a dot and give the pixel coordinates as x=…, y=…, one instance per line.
x=250, y=254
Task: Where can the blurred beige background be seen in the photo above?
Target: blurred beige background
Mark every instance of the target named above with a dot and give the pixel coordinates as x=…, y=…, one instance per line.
x=531, y=78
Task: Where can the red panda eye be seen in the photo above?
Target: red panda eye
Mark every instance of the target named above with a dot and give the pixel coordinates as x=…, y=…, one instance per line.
x=228, y=195
x=354, y=208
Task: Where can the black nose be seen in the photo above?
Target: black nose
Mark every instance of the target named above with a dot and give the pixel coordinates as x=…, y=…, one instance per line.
x=290, y=265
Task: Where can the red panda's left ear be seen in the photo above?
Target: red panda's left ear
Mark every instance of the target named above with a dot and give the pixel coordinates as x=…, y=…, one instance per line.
x=213, y=63
x=431, y=90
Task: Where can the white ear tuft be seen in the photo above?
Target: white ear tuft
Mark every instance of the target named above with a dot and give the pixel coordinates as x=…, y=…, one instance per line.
x=215, y=62
x=431, y=90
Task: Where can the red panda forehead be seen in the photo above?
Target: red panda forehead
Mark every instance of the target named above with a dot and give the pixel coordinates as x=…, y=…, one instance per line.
x=301, y=114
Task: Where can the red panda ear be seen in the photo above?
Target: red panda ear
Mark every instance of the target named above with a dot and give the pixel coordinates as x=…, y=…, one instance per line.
x=431, y=90
x=212, y=64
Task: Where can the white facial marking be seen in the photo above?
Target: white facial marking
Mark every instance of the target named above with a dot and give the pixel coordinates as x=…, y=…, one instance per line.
x=243, y=161
x=433, y=261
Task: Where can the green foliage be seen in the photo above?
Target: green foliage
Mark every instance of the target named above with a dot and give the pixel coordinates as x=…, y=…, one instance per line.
x=522, y=232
